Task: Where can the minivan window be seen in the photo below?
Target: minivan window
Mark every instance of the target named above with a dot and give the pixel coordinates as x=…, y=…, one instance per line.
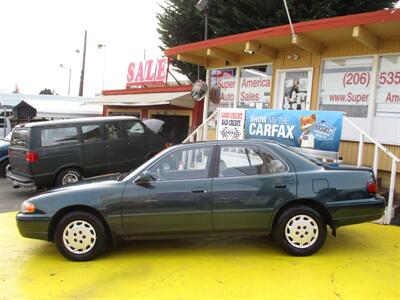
x=113, y=131
x=133, y=128
x=59, y=136
x=91, y=133
x=19, y=138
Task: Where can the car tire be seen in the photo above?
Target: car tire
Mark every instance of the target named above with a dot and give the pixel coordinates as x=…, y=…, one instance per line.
x=4, y=167
x=68, y=176
x=80, y=236
x=300, y=231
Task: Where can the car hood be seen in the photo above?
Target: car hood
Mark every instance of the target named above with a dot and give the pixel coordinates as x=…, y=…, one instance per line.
x=4, y=144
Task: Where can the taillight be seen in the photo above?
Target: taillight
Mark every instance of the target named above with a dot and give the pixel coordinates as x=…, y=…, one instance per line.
x=31, y=157
x=372, y=187
x=167, y=145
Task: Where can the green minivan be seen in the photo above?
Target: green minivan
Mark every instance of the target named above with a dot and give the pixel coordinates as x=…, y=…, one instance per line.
x=56, y=153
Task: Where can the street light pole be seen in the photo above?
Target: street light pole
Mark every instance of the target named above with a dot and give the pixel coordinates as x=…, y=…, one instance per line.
x=83, y=66
x=69, y=80
x=99, y=46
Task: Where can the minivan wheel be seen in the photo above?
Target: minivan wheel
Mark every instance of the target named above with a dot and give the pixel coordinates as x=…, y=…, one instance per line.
x=68, y=176
x=5, y=167
x=300, y=231
x=80, y=236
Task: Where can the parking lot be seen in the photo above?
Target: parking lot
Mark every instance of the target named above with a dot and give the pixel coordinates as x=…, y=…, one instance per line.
x=362, y=262
x=10, y=198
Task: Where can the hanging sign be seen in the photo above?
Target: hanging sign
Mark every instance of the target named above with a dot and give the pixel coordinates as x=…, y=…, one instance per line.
x=231, y=124
x=148, y=72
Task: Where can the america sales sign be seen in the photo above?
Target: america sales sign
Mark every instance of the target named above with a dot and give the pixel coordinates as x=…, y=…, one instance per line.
x=148, y=72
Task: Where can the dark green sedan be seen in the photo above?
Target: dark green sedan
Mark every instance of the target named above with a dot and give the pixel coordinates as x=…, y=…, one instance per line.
x=209, y=187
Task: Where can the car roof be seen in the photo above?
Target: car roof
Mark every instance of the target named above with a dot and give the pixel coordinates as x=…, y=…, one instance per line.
x=75, y=121
x=247, y=141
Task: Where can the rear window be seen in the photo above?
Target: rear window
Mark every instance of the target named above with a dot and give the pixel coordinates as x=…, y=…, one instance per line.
x=59, y=136
x=19, y=138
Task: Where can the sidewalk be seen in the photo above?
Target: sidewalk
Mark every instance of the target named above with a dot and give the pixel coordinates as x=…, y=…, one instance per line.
x=362, y=262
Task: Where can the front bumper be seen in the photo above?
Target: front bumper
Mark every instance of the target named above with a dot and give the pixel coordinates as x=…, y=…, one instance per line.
x=20, y=181
x=349, y=212
x=33, y=226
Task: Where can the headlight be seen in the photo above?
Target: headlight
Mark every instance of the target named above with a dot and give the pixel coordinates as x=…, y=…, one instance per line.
x=27, y=207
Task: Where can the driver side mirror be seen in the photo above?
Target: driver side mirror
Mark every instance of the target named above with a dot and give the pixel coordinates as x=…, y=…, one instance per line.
x=146, y=178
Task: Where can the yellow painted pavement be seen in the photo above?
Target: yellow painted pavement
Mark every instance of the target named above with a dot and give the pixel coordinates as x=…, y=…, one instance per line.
x=363, y=262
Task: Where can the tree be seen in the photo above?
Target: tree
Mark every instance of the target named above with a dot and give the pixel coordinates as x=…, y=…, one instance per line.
x=180, y=23
x=47, y=91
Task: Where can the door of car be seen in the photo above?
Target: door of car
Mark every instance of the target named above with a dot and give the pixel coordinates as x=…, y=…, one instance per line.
x=177, y=199
x=94, y=154
x=116, y=147
x=249, y=183
x=136, y=137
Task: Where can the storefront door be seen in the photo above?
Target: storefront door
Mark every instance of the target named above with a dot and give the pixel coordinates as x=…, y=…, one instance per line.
x=293, y=89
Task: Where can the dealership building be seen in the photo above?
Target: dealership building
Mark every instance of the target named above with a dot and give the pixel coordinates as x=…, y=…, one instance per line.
x=348, y=63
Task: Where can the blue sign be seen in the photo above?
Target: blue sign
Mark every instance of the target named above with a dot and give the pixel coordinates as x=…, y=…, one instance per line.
x=319, y=130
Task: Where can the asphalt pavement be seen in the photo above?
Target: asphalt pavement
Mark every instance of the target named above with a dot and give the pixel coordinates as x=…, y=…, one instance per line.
x=10, y=198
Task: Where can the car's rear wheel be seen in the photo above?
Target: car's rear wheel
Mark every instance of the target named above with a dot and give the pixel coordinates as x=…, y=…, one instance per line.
x=300, y=230
x=80, y=236
x=4, y=167
x=68, y=176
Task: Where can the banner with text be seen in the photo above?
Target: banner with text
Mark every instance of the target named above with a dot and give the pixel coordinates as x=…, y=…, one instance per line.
x=317, y=130
x=231, y=124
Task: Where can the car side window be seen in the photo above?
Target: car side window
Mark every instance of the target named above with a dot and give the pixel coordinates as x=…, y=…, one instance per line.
x=91, y=133
x=191, y=163
x=59, y=136
x=133, y=128
x=113, y=131
x=247, y=160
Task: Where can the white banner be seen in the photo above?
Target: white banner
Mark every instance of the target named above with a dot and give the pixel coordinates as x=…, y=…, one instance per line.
x=231, y=124
x=346, y=84
x=388, y=86
x=224, y=80
x=255, y=84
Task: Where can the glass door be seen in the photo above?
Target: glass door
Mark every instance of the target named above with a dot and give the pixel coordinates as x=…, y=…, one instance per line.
x=293, y=89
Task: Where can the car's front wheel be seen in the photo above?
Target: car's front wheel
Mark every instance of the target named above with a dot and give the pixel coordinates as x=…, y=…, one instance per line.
x=80, y=236
x=300, y=230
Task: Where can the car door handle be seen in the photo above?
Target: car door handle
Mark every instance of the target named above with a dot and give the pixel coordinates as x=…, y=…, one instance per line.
x=199, y=191
x=280, y=186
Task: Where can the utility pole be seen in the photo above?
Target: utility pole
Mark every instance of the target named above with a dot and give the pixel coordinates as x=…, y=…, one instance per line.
x=83, y=66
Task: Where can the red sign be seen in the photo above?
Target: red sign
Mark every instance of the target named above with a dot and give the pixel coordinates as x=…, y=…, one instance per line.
x=148, y=72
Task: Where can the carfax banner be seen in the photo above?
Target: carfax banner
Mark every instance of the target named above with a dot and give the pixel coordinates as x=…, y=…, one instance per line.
x=318, y=130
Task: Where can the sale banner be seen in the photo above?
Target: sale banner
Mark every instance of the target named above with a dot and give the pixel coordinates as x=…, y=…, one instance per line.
x=311, y=130
x=231, y=123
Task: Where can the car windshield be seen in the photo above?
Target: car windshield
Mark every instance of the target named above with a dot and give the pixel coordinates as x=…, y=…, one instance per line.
x=130, y=175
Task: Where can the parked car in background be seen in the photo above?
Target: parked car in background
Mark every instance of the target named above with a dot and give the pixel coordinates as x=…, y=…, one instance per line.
x=56, y=153
x=208, y=187
x=4, y=161
x=5, y=127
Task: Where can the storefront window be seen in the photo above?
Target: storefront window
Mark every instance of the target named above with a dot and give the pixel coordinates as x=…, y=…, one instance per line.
x=223, y=89
x=388, y=87
x=345, y=86
x=255, y=87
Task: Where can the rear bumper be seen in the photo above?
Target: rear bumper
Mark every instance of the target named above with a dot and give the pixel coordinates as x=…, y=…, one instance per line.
x=33, y=226
x=20, y=181
x=349, y=212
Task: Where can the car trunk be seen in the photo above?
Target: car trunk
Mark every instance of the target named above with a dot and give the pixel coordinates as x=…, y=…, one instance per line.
x=18, y=148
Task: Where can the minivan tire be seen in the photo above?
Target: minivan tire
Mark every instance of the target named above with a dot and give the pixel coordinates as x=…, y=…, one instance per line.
x=80, y=236
x=300, y=230
x=68, y=176
x=4, y=167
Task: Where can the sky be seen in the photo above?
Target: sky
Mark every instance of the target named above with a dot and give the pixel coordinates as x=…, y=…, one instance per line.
x=37, y=36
